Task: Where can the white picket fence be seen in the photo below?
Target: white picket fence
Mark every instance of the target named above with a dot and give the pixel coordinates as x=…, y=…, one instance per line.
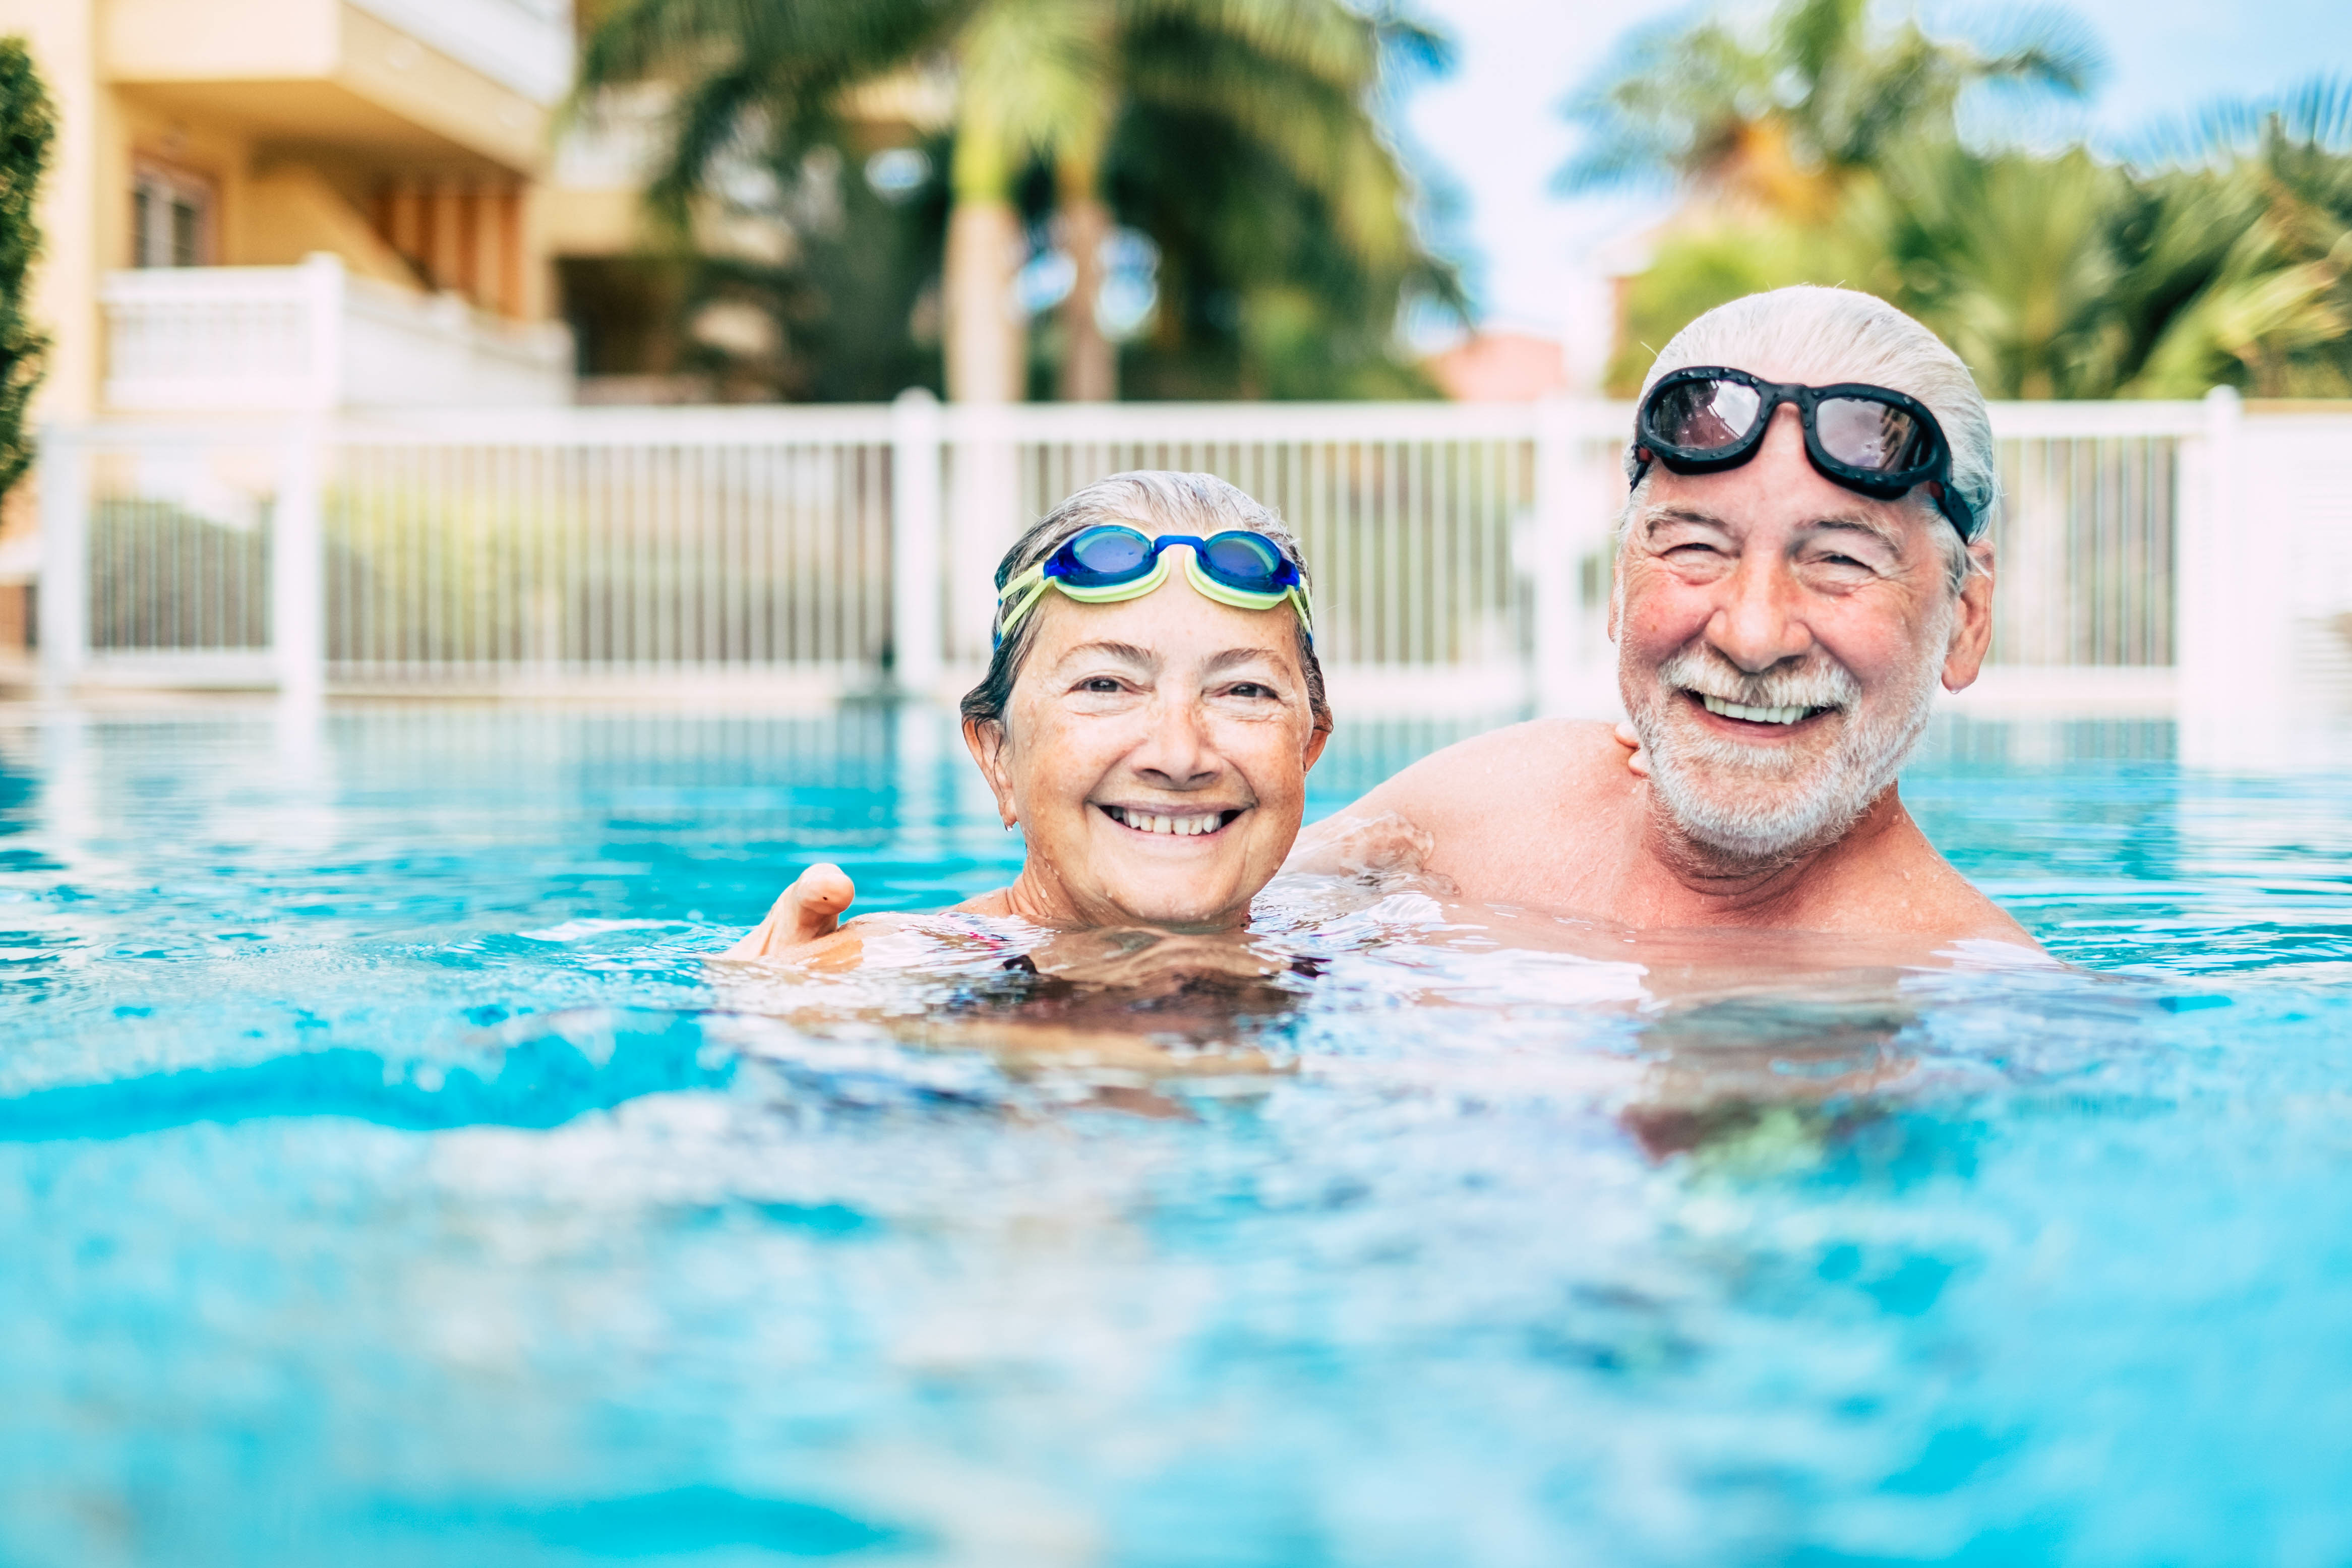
x=1460, y=551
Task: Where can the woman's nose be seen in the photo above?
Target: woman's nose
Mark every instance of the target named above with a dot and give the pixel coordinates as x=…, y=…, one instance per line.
x=1176, y=754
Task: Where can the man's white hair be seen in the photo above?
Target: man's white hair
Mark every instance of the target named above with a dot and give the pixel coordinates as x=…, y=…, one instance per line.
x=1819, y=336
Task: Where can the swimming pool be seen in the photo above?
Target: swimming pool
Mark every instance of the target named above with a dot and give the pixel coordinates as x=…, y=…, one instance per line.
x=383, y=1180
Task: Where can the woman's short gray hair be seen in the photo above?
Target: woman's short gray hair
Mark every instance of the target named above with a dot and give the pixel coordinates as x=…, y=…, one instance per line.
x=1155, y=502
x=1819, y=335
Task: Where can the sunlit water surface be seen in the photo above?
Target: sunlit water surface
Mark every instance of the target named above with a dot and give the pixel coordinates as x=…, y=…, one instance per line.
x=384, y=1180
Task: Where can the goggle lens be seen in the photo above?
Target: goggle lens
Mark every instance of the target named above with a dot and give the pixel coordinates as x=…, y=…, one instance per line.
x=1108, y=554
x=1863, y=433
x=1703, y=416
x=1244, y=561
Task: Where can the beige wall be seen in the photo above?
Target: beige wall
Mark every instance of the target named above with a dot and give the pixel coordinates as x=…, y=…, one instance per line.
x=301, y=117
x=292, y=210
x=321, y=70
x=64, y=38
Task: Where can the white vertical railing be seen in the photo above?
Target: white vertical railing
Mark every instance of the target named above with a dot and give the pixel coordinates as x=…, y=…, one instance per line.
x=915, y=601
x=65, y=561
x=1460, y=551
x=298, y=569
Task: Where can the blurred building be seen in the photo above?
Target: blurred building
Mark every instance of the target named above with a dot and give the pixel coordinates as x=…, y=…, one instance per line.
x=269, y=206
x=1499, y=367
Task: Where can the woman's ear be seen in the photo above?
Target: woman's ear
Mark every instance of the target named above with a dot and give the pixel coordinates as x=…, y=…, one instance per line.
x=985, y=738
x=1316, y=739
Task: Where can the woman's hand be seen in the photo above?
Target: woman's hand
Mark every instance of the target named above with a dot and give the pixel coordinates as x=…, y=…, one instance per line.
x=808, y=911
x=1638, y=762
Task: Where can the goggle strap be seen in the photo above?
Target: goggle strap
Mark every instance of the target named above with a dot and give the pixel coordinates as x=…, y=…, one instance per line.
x=1019, y=597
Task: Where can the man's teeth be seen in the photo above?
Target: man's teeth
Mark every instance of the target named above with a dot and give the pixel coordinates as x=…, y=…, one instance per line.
x=1182, y=826
x=1753, y=715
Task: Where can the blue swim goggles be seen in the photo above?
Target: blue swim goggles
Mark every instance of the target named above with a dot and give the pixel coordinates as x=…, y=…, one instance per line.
x=1112, y=562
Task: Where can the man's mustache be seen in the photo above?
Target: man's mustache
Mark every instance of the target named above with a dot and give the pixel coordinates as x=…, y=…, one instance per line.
x=1815, y=682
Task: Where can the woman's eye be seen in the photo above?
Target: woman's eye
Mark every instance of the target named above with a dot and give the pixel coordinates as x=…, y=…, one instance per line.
x=1252, y=689
x=1102, y=683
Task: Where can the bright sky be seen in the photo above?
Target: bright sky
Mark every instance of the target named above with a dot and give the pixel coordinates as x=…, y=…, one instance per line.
x=1494, y=128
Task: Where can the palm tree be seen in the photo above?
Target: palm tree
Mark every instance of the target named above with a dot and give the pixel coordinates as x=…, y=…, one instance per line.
x=2226, y=258
x=1780, y=120
x=1042, y=82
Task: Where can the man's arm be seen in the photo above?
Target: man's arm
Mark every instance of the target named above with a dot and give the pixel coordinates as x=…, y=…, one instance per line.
x=1443, y=813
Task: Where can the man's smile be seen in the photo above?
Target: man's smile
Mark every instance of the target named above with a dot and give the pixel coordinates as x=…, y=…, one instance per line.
x=1753, y=719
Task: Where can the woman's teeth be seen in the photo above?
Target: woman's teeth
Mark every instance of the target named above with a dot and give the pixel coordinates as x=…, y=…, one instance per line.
x=1182, y=826
x=1753, y=715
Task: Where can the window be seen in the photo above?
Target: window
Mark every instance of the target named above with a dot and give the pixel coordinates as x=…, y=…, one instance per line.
x=171, y=219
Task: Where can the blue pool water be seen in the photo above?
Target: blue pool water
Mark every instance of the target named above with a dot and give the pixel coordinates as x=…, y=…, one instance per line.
x=384, y=1180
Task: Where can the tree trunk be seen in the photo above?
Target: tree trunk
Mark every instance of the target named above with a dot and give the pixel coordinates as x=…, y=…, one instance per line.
x=1089, y=360
x=986, y=346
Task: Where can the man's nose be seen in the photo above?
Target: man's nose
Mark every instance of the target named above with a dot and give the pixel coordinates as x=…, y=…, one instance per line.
x=1176, y=753
x=1757, y=620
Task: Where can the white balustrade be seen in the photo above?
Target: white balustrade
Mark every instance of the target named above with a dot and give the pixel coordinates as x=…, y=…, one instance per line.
x=1461, y=552
x=208, y=339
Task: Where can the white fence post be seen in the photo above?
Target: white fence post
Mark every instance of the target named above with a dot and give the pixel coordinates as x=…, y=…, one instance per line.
x=2214, y=684
x=1557, y=605
x=915, y=569
x=298, y=569
x=322, y=284
x=64, y=603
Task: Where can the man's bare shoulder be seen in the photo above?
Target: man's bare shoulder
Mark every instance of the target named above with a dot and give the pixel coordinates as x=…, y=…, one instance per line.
x=1893, y=879
x=1542, y=765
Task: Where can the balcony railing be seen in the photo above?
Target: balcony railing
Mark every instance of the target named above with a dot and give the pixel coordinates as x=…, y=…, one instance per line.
x=249, y=339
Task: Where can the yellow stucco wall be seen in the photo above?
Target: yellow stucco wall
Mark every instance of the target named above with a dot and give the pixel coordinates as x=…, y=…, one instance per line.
x=292, y=210
x=63, y=34
x=294, y=113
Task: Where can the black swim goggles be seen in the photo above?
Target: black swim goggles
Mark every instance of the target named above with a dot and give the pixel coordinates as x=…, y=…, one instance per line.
x=1871, y=440
x=1112, y=562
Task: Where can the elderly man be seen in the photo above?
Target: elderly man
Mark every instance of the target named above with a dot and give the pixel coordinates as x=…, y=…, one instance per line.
x=1801, y=562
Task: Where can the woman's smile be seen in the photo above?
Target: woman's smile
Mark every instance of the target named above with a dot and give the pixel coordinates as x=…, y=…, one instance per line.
x=1171, y=821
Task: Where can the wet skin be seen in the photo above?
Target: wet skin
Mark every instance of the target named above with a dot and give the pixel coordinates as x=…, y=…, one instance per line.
x=1154, y=753
x=1765, y=567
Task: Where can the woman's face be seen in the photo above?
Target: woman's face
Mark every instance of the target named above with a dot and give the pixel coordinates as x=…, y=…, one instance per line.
x=1155, y=753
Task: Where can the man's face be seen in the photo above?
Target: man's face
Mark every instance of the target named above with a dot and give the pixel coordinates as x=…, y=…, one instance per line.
x=1780, y=642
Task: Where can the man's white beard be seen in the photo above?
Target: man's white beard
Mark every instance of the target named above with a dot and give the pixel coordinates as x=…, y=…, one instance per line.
x=1768, y=804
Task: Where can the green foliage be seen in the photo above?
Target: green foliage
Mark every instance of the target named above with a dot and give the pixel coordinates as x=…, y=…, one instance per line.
x=1781, y=114
x=2066, y=276
x=27, y=126
x=2223, y=258
x=1239, y=135
x=1259, y=296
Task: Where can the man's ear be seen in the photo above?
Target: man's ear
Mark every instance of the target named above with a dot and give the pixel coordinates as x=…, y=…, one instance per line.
x=1972, y=626
x=985, y=739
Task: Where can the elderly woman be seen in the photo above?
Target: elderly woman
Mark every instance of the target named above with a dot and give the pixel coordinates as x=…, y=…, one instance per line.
x=1148, y=718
